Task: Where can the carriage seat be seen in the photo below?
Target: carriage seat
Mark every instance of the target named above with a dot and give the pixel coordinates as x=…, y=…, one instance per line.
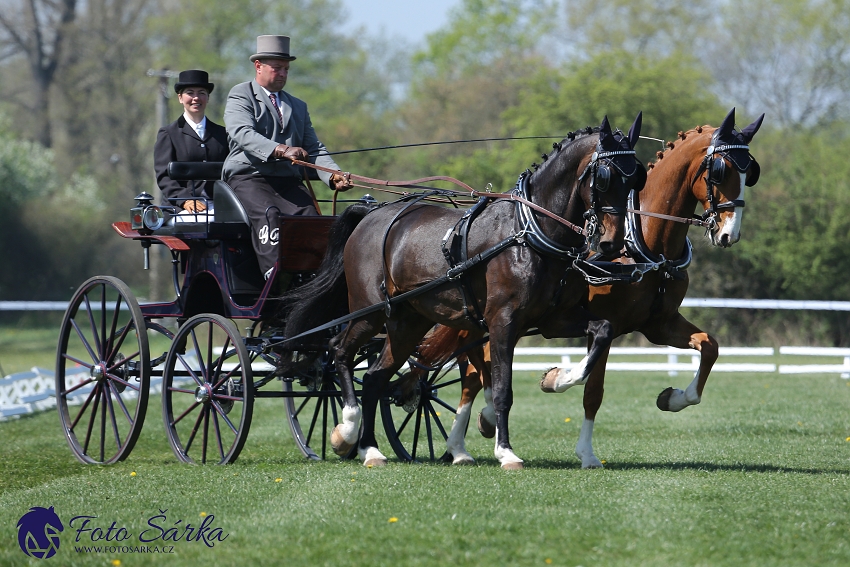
x=229, y=218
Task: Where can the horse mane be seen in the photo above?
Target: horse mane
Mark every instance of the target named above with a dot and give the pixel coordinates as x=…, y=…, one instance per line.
x=568, y=140
x=670, y=146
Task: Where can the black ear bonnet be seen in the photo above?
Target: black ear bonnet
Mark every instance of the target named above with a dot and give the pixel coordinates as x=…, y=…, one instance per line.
x=734, y=146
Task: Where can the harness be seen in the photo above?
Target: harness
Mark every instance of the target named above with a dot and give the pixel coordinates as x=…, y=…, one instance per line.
x=716, y=168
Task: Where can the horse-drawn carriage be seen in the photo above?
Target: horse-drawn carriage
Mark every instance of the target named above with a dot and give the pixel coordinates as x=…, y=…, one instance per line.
x=527, y=255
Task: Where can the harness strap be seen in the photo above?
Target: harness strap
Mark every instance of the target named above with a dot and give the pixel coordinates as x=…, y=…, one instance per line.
x=452, y=275
x=459, y=246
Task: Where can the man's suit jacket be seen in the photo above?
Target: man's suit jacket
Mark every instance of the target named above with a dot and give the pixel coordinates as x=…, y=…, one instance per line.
x=255, y=130
x=179, y=142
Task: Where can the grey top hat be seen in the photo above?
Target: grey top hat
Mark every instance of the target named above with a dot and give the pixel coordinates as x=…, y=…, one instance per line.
x=193, y=78
x=272, y=47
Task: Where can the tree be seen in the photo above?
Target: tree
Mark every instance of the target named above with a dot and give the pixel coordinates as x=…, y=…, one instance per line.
x=37, y=30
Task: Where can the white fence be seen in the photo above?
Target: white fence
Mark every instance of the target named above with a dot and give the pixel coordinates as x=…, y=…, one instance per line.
x=29, y=392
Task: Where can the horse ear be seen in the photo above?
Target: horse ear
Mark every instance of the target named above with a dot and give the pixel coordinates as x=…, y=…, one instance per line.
x=605, y=128
x=728, y=124
x=634, y=131
x=751, y=130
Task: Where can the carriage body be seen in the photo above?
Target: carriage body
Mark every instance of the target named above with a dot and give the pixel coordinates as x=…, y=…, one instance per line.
x=113, y=352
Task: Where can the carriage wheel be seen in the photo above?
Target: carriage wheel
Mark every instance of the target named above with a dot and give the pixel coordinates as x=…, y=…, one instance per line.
x=207, y=391
x=316, y=406
x=102, y=371
x=417, y=419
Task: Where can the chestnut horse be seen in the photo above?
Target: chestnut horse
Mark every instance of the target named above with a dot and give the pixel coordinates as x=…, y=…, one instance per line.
x=708, y=166
x=397, y=248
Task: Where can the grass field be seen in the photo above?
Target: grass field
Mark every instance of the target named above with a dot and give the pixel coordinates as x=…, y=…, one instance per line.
x=758, y=474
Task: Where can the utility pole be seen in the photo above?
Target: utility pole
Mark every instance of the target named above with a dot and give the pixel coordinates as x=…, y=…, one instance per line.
x=162, y=119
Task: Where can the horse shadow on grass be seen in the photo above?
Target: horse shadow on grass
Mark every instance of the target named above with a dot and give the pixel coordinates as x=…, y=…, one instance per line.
x=698, y=466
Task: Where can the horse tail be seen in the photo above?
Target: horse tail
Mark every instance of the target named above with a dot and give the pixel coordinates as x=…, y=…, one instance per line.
x=325, y=297
x=439, y=344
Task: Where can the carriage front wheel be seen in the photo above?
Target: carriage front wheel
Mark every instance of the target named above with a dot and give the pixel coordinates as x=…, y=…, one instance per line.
x=102, y=371
x=207, y=391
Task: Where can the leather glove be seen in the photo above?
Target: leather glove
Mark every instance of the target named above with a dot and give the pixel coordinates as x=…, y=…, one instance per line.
x=292, y=153
x=340, y=182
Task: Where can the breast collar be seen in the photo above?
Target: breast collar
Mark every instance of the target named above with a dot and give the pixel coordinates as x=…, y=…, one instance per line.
x=533, y=234
x=641, y=253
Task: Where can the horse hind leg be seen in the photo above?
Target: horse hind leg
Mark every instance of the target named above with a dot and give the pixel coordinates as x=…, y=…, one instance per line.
x=480, y=359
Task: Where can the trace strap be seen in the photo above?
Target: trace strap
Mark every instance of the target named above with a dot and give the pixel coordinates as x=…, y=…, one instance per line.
x=451, y=275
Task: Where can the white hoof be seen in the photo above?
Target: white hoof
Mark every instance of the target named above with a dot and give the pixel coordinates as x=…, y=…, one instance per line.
x=372, y=457
x=463, y=459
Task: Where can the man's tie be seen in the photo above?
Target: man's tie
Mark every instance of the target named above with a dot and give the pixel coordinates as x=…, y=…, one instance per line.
x=276, y=107
x=201, y=131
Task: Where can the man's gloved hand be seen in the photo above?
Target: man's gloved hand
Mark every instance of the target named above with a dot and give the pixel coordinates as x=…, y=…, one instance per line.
x=340, y=182
x=292, y=153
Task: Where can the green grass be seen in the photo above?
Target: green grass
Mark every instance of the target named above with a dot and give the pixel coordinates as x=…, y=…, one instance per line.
x=758, y=474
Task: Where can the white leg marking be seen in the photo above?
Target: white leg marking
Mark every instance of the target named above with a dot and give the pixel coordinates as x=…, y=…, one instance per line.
x=584, y=447
x=455, y=441
x=370, y=455
x=505, y=456
x=575, y=377
x=679, y=400
x=489, y=412
x=349, y=427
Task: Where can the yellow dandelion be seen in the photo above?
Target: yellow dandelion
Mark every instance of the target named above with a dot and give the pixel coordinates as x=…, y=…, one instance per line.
x=800, y=423
x=548, y=561
x=438, y=414
x=352, y=480
x=848, y=439
x=368, y=466
x=131, y=474
x=278, y=479
x=116, y=562
x=569, y=419
x=604, y=462
x=203, y=514
x=393, y=520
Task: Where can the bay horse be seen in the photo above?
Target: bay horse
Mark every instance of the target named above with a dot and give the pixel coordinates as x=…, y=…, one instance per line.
x=707, y=166
x=516, y=260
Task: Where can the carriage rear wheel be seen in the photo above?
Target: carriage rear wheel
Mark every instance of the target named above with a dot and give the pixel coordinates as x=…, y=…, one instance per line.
x=102, y=371
x=207, y=391
x=314, y=405
x=417, y=419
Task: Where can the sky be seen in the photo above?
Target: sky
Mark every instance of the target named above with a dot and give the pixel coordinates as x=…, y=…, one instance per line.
x=412, y=19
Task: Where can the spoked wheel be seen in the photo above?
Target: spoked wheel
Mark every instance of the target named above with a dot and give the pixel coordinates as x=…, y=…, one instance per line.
x=314, y=406
x=207, y=391
x=416, y=417
x=102, y=371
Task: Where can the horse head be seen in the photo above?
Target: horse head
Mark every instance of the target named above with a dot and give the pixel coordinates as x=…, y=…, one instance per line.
x=611, y=173
x=720, y=190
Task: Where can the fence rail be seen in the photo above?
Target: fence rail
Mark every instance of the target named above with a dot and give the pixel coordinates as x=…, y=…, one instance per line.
x=29, y=392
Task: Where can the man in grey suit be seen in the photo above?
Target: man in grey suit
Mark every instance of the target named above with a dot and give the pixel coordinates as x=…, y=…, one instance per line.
x=268, y=129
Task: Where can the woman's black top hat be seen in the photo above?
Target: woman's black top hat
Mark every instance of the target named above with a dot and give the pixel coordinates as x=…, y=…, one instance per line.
x=193, y=78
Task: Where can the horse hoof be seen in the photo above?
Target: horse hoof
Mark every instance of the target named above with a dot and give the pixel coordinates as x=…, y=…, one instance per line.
x=486, y=429
x=339, y=445
x=663, y=401
x=463, y=460
x=511, y=466
x=375, y=463
x=547, y=383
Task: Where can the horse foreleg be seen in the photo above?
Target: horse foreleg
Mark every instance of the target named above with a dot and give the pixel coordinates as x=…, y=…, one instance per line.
x=556, y=380
x=593, y=393
x=501, y=352
x=683, y=334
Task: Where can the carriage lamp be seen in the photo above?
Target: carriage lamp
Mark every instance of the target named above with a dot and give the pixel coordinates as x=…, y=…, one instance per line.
x=145, y=216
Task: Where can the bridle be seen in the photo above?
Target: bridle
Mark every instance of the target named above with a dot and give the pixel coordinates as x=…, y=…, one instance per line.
x=599, y=168
x=716, y=168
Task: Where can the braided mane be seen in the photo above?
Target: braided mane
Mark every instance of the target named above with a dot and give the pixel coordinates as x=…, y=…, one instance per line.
x=568, y=139
x=672, y=145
